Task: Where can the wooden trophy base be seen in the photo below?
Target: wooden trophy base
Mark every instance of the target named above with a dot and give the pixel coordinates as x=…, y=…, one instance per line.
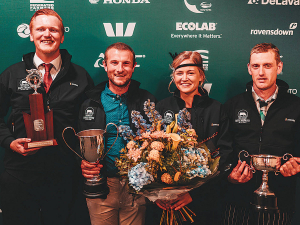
x=39, y=126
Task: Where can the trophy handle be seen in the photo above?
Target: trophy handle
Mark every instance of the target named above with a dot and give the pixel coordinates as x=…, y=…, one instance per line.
x=246, y=154
x=284, y=157
x=115, y=139
x=66, y=142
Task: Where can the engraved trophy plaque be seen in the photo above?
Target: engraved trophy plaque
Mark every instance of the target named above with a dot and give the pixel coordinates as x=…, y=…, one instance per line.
x=92, y=150
x=39, y=126
x=264, y=198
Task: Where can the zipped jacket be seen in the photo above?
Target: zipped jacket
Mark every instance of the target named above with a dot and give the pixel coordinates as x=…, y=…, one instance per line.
x=66, y=93
x=278, y=135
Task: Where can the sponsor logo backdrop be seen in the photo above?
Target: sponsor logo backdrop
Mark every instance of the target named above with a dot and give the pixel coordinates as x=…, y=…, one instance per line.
x=222, y=31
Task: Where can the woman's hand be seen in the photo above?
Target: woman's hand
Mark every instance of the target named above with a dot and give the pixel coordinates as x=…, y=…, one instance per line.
x=181, y=201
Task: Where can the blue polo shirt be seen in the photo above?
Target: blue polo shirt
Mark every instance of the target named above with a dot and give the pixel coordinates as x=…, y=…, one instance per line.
x=116, y=111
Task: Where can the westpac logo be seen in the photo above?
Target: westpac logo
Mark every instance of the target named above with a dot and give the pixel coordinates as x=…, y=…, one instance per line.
x=193, y=8
x=98, y=62
x=119, y=30
x=274, y=2
x=41, y=4
x=276, y=32
x=195, y=26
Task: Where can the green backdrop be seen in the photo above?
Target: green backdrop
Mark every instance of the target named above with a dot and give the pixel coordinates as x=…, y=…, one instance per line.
x=222, y=31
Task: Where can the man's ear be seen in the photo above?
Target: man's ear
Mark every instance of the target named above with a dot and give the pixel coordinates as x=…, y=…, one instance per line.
x=134, y=66
x=31, y=38
x=279, y=67
x=104, y=65
x=249, y=70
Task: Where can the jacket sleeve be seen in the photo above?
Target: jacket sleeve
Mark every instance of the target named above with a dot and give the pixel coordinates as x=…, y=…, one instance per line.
x=6, y=137
x=224, y=142
x=83, y=97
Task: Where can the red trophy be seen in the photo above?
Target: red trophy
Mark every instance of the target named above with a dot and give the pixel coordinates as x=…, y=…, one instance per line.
x=39, y=126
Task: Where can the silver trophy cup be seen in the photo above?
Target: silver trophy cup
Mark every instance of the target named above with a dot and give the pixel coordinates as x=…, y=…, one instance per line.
x=92, y=150
x=264, y=198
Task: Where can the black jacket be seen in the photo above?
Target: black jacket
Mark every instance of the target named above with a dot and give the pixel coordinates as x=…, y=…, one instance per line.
x=277, y=136
x=135, y=101
x=207, y=118
x=64, y=98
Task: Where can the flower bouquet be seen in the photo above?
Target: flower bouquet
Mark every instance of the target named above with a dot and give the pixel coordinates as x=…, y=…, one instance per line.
x=162, y=161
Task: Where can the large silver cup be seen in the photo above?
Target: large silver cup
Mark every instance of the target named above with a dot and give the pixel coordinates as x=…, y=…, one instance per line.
x=264, y=198
x=92, y=150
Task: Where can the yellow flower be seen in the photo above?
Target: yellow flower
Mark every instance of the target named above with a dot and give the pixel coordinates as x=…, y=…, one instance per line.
x=166, y=178
x=176, y=139
x=177, y=176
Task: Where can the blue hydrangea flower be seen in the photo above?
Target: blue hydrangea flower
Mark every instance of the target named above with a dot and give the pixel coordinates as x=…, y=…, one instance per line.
x=196, y=157
x=138, y=176
x=125, y=132
x=182, y=119
x=138, y=120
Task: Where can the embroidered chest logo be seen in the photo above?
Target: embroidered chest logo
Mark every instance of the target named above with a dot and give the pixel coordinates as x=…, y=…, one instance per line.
x=242, y=117
x=89, y=114
x=168, y=117
x=23, y=85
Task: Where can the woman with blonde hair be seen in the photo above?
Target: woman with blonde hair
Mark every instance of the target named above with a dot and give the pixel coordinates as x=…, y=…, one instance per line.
x=208, y=120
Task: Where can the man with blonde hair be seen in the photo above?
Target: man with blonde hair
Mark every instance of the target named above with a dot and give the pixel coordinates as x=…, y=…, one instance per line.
x=41, y=185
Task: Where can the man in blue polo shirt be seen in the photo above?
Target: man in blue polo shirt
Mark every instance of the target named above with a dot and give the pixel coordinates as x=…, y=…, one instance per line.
x=112, y=102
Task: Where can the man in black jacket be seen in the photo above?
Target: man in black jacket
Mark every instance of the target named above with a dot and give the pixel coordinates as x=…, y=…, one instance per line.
x=263, y=120
x=40, y=185
x=112, y=102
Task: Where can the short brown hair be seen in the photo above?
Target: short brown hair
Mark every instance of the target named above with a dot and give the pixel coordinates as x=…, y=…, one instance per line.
x=193, y=56
x=119, y=46
x=265, y=47
x=47, y=12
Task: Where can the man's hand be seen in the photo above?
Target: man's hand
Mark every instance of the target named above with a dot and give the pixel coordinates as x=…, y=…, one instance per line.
x=240, y=174
x=181, y=201
x=291, y=167
x=18, y=146
x=89, y=170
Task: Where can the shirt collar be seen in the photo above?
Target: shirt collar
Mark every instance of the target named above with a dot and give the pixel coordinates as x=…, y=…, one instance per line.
x=108, y=92
x=273, y=96
x=56, y=62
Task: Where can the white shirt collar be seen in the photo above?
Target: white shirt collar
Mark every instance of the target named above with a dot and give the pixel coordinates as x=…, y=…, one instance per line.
x=56, y=62
x=54, y=70
x=273, y=96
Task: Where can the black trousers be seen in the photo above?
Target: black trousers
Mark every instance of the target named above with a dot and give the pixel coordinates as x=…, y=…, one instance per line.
x=53, y=198
x=239, y=215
